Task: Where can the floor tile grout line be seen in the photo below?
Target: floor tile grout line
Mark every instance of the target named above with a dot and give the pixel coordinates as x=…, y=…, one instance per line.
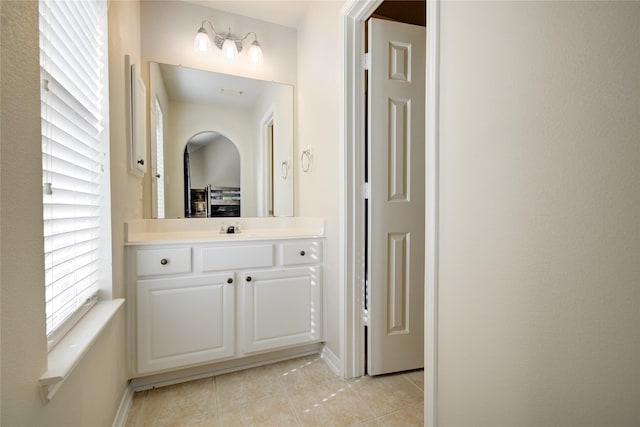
x=398, y=410
x=286, y=392
x=295, y=411
x=379, y=417
x=414, y=384
x=217, y=395
x=140, y=413
x=362, y=399
x=346, y=383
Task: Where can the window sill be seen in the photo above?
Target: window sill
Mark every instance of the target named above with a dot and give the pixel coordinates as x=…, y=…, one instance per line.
x=70, y=350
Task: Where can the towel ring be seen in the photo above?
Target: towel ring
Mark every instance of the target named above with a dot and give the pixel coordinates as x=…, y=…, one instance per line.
x=305, y=160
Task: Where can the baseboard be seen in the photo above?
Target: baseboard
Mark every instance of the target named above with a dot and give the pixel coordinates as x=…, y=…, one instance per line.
x=332, y=360
x=125, y=404
x=205, y=371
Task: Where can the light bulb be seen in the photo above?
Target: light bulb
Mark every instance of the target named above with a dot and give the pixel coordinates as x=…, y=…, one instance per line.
x=202, y=42
x=255, y=53
x=229, y=49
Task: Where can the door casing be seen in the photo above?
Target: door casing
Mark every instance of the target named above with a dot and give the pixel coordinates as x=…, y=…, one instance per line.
x=354, y=13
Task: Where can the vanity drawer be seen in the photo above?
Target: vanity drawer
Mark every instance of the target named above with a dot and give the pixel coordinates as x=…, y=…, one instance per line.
x=237, y=257
x=152, y=262
x=304, y=252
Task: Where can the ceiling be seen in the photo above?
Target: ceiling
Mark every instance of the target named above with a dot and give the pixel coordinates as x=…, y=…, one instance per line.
x=288, y=13
x=205, y=87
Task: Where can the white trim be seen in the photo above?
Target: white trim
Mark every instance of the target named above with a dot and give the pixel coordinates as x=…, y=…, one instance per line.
x=432, y=219
x=71, y=349
x=353, y=15
x=62, y=329
x=331, y=360
x=268, y=120
x=218, y=368
x=136, y=119
x=120, y=419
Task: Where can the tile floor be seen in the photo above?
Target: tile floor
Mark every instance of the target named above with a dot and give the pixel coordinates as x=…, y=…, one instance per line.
x=298, y=392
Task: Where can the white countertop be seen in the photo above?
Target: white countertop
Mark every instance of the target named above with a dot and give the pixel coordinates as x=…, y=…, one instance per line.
x=202, y=230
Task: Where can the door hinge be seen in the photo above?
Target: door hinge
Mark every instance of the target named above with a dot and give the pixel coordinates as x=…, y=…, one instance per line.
x=366, y=61
x=366, y=190
x=365, y=303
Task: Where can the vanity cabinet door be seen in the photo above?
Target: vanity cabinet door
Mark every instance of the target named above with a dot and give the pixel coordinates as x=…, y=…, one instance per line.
x=184, y=321
x=281, y=308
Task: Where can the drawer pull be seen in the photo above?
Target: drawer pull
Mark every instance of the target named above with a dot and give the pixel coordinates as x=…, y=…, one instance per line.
x=164, y=261
x=248, y=278
x=229, y=280
x=302, y=253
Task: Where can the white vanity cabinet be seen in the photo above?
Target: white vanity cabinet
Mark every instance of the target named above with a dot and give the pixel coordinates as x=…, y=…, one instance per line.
x=204, y=302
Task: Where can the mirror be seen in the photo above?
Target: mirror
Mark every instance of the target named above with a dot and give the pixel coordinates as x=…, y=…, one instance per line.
x=221, y=145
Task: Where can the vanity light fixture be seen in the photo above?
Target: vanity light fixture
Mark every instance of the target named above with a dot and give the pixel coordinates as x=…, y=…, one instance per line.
x=229, y=44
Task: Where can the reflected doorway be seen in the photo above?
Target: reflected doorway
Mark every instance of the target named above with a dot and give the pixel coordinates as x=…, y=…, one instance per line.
x=158, y=182
x=211, y=176
x=266, y=201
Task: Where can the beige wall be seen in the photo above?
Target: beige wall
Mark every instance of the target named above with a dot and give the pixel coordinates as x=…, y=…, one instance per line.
x=23, y=344
x=539, y=214
x=169, y=27
x=126, y=189
x=92, y=393
x=317, y=192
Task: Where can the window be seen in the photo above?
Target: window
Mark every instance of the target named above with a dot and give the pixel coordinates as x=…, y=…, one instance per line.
x=75, y=159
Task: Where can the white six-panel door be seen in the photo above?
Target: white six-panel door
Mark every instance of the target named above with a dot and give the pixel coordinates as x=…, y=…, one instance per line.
x=396, y=214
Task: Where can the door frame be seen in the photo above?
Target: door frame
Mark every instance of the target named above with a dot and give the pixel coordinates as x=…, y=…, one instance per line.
x=353, y=14
x=266, y=163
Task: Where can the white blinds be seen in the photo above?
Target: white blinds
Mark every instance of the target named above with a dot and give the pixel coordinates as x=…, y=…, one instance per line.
x=74, y=147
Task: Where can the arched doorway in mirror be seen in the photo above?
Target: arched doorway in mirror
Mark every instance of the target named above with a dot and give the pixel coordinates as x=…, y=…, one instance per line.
x=211, y=176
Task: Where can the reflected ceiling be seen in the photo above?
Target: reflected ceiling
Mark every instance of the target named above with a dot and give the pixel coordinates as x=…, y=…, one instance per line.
x=193, y=86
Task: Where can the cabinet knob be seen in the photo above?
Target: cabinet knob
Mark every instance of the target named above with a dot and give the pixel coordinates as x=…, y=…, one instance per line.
x=302, y=253
x=229, y=280
x=248, y=278
x=164, y=261
x=141, y=162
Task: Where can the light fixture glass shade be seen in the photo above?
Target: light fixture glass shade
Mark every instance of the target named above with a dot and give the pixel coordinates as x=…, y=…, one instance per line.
x=202, y=42
x=255, y=53
x=229, y=49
